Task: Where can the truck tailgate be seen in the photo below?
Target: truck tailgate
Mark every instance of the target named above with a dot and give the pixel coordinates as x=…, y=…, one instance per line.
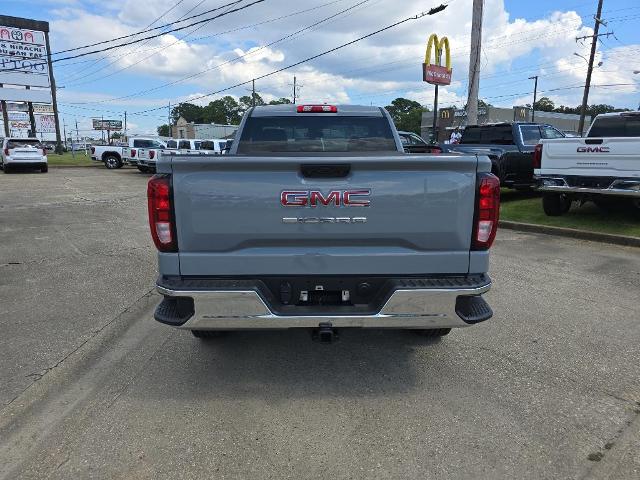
x=616, y=157
x=231, y=219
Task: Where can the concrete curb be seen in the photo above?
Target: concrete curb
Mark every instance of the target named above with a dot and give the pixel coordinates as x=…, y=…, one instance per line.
x=572, y=233
x=75, y=166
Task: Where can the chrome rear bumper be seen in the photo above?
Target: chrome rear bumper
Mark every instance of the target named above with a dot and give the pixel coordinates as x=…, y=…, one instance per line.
x=622, y=187
x=420, y=308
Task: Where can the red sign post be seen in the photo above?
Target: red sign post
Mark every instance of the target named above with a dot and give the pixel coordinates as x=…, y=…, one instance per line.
x=436, y=74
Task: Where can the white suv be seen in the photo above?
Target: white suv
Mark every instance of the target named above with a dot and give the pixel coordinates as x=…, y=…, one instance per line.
x=23, y=152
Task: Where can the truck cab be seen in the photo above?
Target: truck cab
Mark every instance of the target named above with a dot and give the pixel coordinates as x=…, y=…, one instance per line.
x=509, y=146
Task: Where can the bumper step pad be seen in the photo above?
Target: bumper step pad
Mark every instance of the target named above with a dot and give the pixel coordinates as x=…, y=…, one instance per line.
x=473, y=309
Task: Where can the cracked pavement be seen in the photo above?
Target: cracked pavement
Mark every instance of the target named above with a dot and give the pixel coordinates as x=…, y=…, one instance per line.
x=92, y=387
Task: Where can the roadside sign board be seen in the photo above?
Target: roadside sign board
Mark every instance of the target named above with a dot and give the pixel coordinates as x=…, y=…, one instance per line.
x=436, y=74
x=112, y=125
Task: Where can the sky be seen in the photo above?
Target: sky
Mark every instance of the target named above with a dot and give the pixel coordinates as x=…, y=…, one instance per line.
x=520, y=39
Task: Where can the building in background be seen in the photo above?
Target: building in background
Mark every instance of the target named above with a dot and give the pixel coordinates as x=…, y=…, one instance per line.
x=452, y=118
x=184, y=129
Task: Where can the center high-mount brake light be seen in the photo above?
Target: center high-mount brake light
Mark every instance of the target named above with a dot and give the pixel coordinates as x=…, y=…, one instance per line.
x=537, y=156
x=485, y=223
x=161, y=219
x=317, y=109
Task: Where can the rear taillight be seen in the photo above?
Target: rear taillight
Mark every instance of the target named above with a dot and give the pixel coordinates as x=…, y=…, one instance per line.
x=161, y=220
x=133, y=152
x=93, y=150
x=487, y=212
x=436, y=149
x=537, y=156
x=151, y=154
x=6, y=151
x=317, y=109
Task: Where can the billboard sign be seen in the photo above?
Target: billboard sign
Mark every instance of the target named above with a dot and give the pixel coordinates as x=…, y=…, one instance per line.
x=45, y=124
x=434, y=73
x=99, y=124
x=23, y=57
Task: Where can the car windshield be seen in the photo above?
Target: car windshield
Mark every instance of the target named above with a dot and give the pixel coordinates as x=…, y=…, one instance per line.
x=23, y=142
x=616, y=126
x=316, y=133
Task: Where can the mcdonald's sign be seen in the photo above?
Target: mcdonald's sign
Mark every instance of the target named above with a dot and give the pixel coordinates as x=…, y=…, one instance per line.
x=445, y=113
x=434, y=73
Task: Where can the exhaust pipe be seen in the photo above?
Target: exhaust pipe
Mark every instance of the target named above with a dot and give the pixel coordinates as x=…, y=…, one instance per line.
x=325, y=333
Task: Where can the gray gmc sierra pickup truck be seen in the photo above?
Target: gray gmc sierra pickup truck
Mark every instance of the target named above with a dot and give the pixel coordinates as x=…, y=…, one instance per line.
x=318, y=219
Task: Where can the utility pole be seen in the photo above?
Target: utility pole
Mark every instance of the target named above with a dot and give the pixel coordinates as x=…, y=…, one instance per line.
x=125, y=125
x=64, y=126
x=253, y=92
x=474, y=63
x=587, y=85
x=535, y=94
x=294, y=89
x=54, y=99
x=170, y=122
x=5, y=116
x=102, y=128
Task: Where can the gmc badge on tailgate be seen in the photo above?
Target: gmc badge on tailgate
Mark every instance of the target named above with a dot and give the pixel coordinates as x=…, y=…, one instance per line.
x=315, y=198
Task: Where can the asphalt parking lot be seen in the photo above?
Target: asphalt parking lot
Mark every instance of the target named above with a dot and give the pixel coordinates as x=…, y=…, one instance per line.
x=92, y=387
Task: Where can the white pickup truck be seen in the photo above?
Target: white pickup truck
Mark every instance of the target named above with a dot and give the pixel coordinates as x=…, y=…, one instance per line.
x=602, y=167
x=110, y=155
x=143, y=153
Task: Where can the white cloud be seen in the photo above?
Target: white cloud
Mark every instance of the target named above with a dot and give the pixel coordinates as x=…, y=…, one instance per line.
x=513, y=49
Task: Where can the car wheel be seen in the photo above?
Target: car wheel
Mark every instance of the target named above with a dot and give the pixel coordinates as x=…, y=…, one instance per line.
x=143, y=169
x=434, y=332
x=44, y=169
x=555, y=204
x=112, y=162
x=205, y=334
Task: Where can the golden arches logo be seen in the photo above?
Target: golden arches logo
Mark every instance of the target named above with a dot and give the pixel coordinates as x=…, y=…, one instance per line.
x=435, y=73
x=445, y=113
x=441, y=45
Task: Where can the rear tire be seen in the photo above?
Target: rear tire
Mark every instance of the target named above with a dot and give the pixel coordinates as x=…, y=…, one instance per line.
x=434, y=332
x=112, y=162
x=44, y=169
x=144, y=169
x=555, y=204
x=206, y=334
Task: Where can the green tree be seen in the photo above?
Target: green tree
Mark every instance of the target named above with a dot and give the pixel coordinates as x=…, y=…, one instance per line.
x=544, y=104
x=188, y=111
x=224, y=110
x=280, y=101
x=164, y=130
x=406, y=114
x=246, y=102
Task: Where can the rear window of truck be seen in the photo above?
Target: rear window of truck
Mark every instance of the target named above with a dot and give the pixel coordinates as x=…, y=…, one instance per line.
x=616, y=126
x=316, y=134
x=496, y=135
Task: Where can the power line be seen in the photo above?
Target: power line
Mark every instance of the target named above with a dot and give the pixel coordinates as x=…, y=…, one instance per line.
x=249, y=53
x=433, y=11
x=143, y=39
x=150, y=29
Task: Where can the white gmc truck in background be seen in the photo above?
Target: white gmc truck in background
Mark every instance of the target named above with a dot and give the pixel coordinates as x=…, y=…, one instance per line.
x=603, y=167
